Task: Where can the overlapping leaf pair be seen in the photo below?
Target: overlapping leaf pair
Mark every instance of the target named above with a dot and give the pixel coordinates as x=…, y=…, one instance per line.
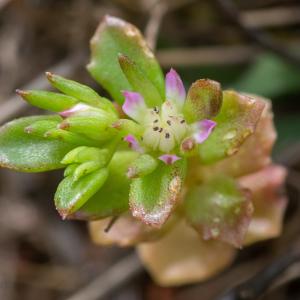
x=156, y=151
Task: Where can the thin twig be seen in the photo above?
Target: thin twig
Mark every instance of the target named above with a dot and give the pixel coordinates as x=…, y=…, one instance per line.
x=110, y=224
x=116, y=276
x=157, y=12
x=214, y=55
x=159, y=9
x=272, y=17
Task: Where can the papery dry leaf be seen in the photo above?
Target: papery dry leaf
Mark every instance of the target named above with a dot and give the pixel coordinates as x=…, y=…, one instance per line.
x=182, y=257
x=268, y=200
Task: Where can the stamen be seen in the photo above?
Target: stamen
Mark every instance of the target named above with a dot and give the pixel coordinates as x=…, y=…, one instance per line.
x=169, y=122
x=156, y=109
x=167, y=135
x=155, y=128
x=182, y=121
x=160, y=129
x=155, y=121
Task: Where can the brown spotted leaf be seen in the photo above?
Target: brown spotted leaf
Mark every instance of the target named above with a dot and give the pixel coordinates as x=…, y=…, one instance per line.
x=253, y=154
x=203, y=101
x=220, y=209
x=153, y=197
x=236, y=121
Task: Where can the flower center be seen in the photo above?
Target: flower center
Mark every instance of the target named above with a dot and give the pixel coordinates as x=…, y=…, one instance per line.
x=165, y=128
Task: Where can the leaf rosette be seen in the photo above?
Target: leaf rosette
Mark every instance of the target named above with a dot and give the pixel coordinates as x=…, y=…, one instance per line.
x=173, y=166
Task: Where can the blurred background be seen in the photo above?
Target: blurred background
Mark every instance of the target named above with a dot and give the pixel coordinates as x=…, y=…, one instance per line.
x=249, y=45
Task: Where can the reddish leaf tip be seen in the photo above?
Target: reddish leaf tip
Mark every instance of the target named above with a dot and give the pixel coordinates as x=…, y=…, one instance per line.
x=22, y=93
x=49, y=75
x=64, y=125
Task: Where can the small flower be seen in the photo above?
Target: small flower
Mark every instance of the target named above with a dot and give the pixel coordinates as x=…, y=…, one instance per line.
x=165, y=126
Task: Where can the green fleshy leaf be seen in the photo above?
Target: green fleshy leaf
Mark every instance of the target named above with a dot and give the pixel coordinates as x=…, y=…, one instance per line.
x=112, y=198
x=139, y=82
x=39, y=128
x=142, y=166
x=220, y=209
x=70, y=137
x=80, y=92
x=153, y=197
x=93, y=127
x=48, y=129
x=48, y=100
x=83, y=154
x=29, y=153
x=115, y=36
x=203, y=101
x=126, y=126
x=236, y=121
x=70, y=169
x=71, y=193
x=86, y=168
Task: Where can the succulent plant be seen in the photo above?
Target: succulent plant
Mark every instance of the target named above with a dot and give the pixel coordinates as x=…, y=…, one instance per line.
x=188, y=172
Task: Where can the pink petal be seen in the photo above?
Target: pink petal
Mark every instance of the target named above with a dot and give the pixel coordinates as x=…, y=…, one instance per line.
x=175, y=90
x=76, y=108
x=133, y=143
x=134, y=105
x=169, y=159
x=203, y=130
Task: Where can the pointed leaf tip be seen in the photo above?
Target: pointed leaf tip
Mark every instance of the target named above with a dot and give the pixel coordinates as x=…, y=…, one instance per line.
x=175, y=90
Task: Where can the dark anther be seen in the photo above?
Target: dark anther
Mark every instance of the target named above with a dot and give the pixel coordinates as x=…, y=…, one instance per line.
x=160, y=130
x=156, y=109
x=155, y=121
x=155, y=128
x=169, y=122
x=167, y=135
x=182, y=121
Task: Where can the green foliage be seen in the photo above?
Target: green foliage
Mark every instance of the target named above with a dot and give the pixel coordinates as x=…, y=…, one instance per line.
x=72, y=192
x=142, y=166
x=115, y=36
x=24, y=152
x=139, y=82
x=112, y=198
x=48, y=100
x=82, y=92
